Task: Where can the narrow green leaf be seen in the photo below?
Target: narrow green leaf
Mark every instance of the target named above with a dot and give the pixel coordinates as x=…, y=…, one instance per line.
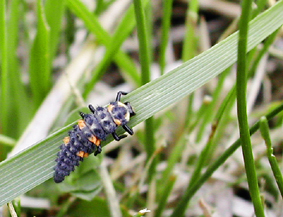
x=241, y=87
x=40, y=73
x=34, y=165
x=144, y=57
x=208, y=149
x=190, y=42
x=166, y=23
x=123, y=30
x=24, y=171
x=266, y=45
x=92, y=24
x=264, y=130
x=261, y=4
x=54, y=11
x=143, y=41
x=18, y=96
x=4, y=66
x=168, y=186
x=211, y=108
x=90, y=20
x=174, y=156
x=190, y=192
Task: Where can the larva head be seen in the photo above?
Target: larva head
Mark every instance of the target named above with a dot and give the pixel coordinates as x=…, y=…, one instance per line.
x=121, y=112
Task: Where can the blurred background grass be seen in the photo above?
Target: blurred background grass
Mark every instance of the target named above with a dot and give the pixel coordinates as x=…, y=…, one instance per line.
x=57, y=56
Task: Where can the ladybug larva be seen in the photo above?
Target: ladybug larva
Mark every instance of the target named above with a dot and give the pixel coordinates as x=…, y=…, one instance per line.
x=85, y=137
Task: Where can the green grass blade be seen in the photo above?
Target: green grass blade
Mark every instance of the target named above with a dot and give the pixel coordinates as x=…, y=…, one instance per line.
x=54, y=11
x=92, y=24
x=211, y=108
x=124, y=29
x=209, y=148
x=18, y=97
x=166, y=23
x=34, y=165
x=143, y=41
x=40, y=72
x=174, y=157
x=190, y=42
x=58, y=97
x=144, y=56
x=168, y=186
x=264, y=130
x=91, y=21
x=24, y=171
x=242, y=109
x=261, y=4
x=190, y=192
x=4, y=66
x=266, y=45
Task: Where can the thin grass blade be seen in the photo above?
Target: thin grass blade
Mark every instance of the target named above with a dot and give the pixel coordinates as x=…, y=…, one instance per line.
x=40, y=70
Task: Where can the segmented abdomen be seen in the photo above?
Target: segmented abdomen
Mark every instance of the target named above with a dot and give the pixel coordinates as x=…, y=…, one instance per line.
x=75, y=148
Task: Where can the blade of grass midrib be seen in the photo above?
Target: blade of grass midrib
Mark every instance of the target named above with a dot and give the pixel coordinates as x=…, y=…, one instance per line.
x=147, y=100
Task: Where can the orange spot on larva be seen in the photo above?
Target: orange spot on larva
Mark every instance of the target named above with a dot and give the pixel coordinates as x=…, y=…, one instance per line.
x=92, y=139
x=98, y=142
x=117, y=122
x=81, y=124
x=110, y=108
x=82, y=154
x=66, y=140
x=95, y=140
